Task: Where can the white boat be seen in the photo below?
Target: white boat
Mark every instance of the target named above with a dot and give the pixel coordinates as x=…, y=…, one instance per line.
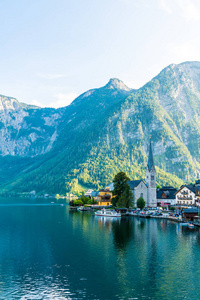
x=191, y=226
x=80, y=208
x=107, y=213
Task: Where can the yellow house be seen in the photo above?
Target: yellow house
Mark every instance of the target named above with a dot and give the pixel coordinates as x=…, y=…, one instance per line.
x=104, y=197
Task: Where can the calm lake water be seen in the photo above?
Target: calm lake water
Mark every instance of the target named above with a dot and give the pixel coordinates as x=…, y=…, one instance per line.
x=49, y=252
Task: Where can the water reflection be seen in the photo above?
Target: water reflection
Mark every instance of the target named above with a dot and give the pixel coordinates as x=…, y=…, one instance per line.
x=122, y=233
x=48, y=252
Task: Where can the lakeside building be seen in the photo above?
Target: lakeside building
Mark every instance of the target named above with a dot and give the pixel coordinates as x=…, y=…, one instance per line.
x=166, y=196
x=138, y=189
x=188, y=195
x=146, y=191
x=190, y=214
x=104, y=197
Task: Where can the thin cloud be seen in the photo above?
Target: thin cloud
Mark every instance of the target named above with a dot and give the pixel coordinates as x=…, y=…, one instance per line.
x=62, y=99
x=188, y=9
x=36, y=103
x=50, y=76
x=185, y=51
x=165, y=6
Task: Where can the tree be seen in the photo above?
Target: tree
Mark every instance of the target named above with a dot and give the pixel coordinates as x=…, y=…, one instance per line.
x=84, y=199
x=78, y=202
x=141, y=203
x=126, y=199
x=120, y=182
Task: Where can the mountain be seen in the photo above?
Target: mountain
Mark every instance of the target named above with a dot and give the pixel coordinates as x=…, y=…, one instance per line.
x=103, y=131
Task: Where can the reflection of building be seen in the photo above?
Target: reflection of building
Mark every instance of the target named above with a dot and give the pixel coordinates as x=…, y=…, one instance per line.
x=188, y=195
x=166, y=196
x=104, y=197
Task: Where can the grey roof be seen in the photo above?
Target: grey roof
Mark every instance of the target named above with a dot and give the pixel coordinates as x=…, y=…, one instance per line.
x=191, y=187
x=134, y=183
x=94, y=194
x=169, y=192
x=150, y=163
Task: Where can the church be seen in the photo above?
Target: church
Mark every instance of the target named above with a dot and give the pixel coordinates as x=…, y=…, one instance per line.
x=146, y=190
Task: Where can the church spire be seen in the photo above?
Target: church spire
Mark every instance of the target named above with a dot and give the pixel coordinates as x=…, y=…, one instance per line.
x=150, y=164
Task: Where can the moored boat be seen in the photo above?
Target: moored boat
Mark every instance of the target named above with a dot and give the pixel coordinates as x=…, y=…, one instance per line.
x=107, y=213
x=83, y=208
x=191, y=226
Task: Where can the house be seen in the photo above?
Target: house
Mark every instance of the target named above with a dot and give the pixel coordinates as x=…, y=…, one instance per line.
x=189, y=214
x=104, y=197
x=166, y=196
x=188, y=195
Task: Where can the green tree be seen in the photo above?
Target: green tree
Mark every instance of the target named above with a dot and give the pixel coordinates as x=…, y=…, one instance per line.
x=84, y=199
x=78, y=202
x=120, y=182
x=126, y=199
x=141, y=203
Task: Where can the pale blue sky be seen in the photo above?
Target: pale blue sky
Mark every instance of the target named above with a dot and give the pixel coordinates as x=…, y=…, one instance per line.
x=53, y=50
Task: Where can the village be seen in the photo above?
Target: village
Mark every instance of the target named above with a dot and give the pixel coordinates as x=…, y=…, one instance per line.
x=183, y=202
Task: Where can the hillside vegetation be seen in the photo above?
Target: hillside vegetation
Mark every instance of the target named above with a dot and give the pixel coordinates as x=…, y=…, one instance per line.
x=104, y=131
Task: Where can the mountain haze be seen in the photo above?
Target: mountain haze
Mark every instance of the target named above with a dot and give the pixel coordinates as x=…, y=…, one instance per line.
x=104, y=131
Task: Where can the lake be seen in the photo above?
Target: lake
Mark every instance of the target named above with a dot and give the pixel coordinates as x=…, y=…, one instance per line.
x=49, y=252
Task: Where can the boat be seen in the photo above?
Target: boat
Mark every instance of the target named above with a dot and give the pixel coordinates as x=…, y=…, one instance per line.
x=183, y=223
x=107, y=213
x=191, y=226
x=83, y=208
x=132, y=213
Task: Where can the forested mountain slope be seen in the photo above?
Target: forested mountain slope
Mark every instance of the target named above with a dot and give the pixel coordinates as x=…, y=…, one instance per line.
x=104, y=131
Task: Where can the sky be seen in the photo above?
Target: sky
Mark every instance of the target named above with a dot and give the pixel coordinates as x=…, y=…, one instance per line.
x=51, y=51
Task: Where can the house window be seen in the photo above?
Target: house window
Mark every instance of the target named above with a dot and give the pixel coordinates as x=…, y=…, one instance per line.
x=141, y=195
x=152, y=177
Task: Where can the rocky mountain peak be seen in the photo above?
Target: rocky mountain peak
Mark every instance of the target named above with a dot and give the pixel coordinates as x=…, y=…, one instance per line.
x=115, y=83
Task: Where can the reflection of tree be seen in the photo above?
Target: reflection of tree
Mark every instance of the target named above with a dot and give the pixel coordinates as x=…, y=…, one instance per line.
x=122, y=233
x=142, y=224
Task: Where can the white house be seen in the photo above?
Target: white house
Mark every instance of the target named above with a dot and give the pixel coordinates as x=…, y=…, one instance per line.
x=187, y=195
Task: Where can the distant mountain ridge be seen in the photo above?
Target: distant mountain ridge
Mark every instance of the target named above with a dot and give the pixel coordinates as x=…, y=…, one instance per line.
x=104, y=131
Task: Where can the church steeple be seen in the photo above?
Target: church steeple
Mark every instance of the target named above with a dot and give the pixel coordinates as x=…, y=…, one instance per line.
x=151, y=180
x=150, y=164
